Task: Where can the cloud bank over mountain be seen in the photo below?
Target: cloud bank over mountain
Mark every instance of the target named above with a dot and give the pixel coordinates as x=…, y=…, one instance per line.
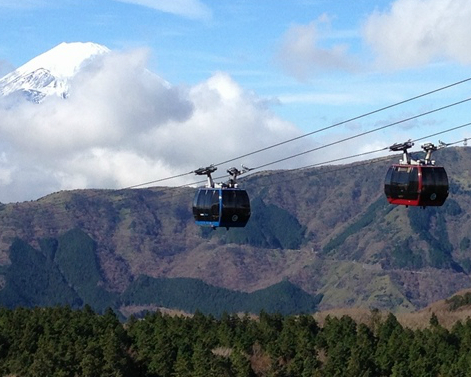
x=122, y=125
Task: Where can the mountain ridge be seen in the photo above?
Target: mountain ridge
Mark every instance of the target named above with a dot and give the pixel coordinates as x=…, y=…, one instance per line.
x=328, y=231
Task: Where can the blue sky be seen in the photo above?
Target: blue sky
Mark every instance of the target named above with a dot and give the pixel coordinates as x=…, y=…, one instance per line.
x=307, y=63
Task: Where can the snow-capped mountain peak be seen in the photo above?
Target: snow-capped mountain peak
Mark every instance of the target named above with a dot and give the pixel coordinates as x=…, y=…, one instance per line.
x=50, y=72
x=65, y=59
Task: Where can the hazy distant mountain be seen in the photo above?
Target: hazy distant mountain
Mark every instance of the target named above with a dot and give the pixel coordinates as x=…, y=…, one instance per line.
x=328, y=231
x=50, y=72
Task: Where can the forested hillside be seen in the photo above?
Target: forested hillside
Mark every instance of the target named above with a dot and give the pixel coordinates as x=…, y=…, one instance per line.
x=64, y=342
x=66, y=272
x=318, y=238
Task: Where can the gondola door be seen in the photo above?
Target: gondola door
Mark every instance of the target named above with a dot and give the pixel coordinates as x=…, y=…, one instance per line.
x=235, y=208
x=401, y=185
x=207, y=208
x=434, y=186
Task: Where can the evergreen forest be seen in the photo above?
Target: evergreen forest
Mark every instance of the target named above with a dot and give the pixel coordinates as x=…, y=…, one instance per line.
x=61, y=341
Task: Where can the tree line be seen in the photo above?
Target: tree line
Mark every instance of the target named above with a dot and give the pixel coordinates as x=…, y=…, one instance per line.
x=61, y=341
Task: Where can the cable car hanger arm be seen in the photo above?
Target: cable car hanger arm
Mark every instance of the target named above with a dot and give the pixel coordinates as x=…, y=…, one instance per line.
x=407, y=159
x=233, y=172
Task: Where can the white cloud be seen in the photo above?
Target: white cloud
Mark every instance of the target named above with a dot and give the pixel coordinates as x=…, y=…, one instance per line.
x=415, y=32
x=302, y=55
x=123, y=125
x=193, y=9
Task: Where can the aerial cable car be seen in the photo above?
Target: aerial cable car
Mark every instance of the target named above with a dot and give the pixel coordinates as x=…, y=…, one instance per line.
x=416, y=182
x=221, y=205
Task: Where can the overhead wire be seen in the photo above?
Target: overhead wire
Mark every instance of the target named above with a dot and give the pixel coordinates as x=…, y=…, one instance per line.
x=354, y=155
x=362, y=154
x=362, y=134
x=325, y=145
x=374, y=151
x=360, y=163
x=330, y=144
x=386, y=148
x=312, y=132
x=347, y=120
x=344, y=167
x=173, y=194
x=166, y=191
x=158, y=180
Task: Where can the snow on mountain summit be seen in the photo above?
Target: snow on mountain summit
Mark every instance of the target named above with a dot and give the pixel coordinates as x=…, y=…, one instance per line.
x=64, y=60
x=49, y=72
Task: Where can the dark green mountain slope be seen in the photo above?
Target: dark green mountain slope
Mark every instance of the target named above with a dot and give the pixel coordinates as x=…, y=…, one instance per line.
x=327, y=230
x=271, y=227
x=65, y=272
x=33, y=279
x=193, y=295
x=76, y=259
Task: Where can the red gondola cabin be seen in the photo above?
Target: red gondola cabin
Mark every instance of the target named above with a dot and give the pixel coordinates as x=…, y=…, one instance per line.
x=416, y=183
